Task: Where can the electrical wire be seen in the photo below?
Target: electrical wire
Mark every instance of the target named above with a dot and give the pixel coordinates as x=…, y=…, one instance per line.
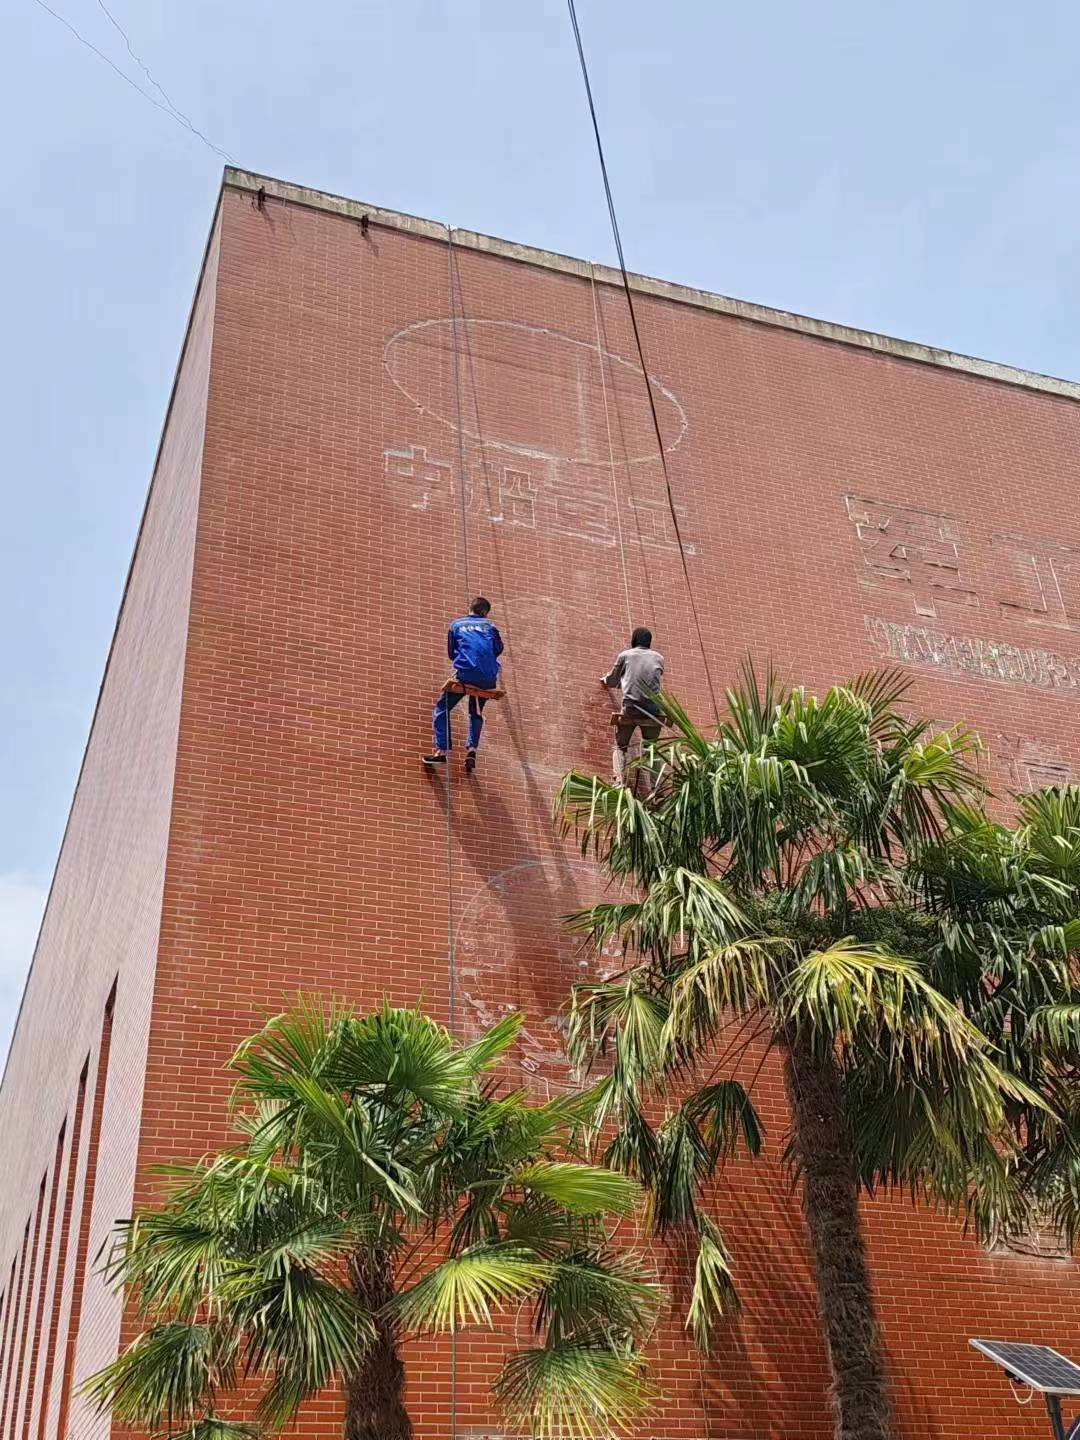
x=641, y=352
x=184, y=119
x=171, y=113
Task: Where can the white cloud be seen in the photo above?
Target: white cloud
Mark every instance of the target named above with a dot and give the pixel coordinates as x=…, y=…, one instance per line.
x=22, y=900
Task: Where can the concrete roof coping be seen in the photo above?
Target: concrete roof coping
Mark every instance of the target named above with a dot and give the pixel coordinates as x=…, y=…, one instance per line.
x=248, y=181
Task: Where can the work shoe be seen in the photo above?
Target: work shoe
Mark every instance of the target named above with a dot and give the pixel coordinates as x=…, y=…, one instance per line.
x=437, y=757
x=470, y=761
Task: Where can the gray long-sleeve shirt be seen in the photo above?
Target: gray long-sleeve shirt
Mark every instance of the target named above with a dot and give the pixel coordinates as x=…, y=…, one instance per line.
x=639, y=674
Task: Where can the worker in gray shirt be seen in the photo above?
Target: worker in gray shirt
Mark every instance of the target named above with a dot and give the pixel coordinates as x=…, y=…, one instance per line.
x=639, y=674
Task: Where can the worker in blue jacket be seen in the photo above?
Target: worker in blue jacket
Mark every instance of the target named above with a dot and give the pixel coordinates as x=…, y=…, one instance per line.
x=474, y=646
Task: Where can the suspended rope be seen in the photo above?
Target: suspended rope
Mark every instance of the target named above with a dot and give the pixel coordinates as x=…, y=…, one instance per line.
x=462, y=498
x=641, y=355
x=660, y=448
x=451, y=936
x=451, y=921
x=602, y=361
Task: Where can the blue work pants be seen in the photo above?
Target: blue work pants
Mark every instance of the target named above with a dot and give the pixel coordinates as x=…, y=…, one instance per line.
x=440, y=717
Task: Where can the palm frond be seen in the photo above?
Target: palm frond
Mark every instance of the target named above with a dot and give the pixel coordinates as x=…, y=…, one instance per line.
x=713, y=1293
x=173, y=1258
x=827, y=740
x=165, y=1377
x=933, y=1143
x=296, y=1042
x=464, y=1289
x=1051, y=828
x=613, y=825
x=630, y=1013
x=684, y=1163
x=635, y=1147
x=282, y=1398
x=678, y=718
x=579, y=1189
x=725, y=1116
x=394, y=1053
x=216, y=1427
x=833, y=879
x=862, y=999
x=574, y=1391
x=593, y=1293
x=752, y=705
x=739, y=978
x=936, y=773
x=483, y=1054
x=1058, y=1026
x=543, y=1228
x=301, y=1327
x=881, y=691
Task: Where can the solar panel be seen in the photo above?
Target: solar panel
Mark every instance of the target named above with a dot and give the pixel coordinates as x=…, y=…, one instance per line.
x=1035, y=1365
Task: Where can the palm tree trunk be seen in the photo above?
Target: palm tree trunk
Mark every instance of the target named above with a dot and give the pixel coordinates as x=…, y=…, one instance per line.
x=830, y=1203
x=375, y=1396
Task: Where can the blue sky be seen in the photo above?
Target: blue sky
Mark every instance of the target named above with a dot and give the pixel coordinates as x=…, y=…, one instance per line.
x=910, y=169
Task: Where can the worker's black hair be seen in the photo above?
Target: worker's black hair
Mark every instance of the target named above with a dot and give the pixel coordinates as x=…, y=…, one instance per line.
x=480, y=606
x=641, y=638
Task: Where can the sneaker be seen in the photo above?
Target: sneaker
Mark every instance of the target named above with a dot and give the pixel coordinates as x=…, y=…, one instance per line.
x=437, y=757
x=470, y=761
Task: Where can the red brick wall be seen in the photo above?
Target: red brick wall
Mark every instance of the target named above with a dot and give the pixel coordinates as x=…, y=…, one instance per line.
x=308, y=848
x=101, y=928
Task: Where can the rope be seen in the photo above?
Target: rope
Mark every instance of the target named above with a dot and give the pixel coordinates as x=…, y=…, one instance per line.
x=451, y=926
x=641, y=354
x=611, y=451
x=660, y=447
x=460, y=415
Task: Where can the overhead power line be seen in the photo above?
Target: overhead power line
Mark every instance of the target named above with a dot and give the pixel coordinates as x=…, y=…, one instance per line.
x=185, y=119
x=168, y=110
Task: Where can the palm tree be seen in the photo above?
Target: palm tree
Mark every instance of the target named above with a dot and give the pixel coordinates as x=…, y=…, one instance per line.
x=1006, y=949
x=772, y=866
x=382, y=1187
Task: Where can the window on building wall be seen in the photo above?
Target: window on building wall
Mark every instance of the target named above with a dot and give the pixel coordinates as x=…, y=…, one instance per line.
x=26, y=1343
x=63, y=1237
x=5, y=1320
x=81, y=1223
x=46, y=1276
x=10, y=1349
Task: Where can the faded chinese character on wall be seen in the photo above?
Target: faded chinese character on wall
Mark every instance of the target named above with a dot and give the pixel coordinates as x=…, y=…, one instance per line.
x=1038, y=580
x=914, y=552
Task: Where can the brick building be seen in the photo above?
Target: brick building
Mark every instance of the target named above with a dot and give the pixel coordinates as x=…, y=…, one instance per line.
x=371, y=419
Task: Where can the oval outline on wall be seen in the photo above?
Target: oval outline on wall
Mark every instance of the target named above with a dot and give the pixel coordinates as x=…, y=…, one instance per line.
x=661, y=392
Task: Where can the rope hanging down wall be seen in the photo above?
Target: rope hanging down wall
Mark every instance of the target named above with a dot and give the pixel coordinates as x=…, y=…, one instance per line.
x=450, y=262
x=659, y=445
x=641, y=355
x=451, y=925
x=601, y=359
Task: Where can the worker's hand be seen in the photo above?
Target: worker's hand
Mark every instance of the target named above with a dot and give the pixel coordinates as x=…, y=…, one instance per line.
x=603, y=681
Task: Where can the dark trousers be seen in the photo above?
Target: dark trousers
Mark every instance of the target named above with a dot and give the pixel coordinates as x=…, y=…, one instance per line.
x=630, y=721
x=440, y=719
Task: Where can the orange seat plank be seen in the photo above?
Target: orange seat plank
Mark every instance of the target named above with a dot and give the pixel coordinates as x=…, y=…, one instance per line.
x=455, y=687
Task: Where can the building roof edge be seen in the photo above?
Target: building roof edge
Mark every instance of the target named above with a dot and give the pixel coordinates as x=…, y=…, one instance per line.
x=249, y=181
